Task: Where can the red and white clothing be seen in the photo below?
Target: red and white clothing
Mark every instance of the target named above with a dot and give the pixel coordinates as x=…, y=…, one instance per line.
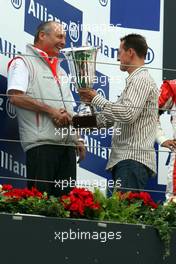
x=167, y=101
x=18, y=74
x=44, y=79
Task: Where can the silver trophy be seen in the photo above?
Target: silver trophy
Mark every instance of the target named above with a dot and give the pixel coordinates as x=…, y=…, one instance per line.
x=82, y=66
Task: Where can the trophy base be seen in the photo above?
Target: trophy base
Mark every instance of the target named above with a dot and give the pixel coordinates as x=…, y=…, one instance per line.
x=84, y=121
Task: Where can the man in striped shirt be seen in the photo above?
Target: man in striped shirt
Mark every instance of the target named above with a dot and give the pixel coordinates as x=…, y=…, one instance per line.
x=132, y=158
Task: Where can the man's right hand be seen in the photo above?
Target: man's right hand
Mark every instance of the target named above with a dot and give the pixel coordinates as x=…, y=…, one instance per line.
x=60, y=117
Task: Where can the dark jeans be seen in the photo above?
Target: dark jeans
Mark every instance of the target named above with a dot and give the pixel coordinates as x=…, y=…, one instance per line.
x=133, y=175
x=51, y=163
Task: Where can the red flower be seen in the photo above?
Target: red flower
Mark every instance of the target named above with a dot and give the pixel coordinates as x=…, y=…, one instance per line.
x=95, y=206
x=20, y=193
x=36, y=192
x=78, y=200
x=133, y=196
x=88, y=201
x=77, y=208
x=144, y=196
x=153, y=205
x=7, y=187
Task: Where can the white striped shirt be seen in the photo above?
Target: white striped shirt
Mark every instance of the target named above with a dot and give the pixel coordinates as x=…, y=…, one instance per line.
x=136, y=114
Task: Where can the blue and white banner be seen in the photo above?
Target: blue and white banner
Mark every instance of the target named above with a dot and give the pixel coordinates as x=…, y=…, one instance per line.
x=40, y=11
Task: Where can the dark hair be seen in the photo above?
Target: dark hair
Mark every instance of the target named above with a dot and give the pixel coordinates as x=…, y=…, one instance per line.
x=136, y=42
x=43, y=27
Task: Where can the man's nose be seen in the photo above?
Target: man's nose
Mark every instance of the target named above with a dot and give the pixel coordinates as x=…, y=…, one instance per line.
x=62, y=42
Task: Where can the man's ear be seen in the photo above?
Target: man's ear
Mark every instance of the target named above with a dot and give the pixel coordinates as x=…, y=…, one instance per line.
x=42, y=35
x=131, y=51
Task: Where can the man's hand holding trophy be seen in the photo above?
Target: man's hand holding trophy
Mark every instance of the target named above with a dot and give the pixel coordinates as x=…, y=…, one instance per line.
x=82, y=66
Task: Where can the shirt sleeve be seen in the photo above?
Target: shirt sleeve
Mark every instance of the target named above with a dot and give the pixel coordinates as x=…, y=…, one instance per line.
x=102, y=121
x=18, y=76
x=132, y=104
x=160, y=135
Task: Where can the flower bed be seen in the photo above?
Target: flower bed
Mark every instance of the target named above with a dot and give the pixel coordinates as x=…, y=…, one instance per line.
x=132, y=208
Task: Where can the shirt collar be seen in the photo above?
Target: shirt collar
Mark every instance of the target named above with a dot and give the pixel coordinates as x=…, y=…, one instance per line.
x=41, y=51
x=45, y=55
x=51, y=62
x=135, y=72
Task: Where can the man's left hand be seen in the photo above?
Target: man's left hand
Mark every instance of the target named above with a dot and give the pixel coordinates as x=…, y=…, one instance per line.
x=87, y=94
x=170, y=144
